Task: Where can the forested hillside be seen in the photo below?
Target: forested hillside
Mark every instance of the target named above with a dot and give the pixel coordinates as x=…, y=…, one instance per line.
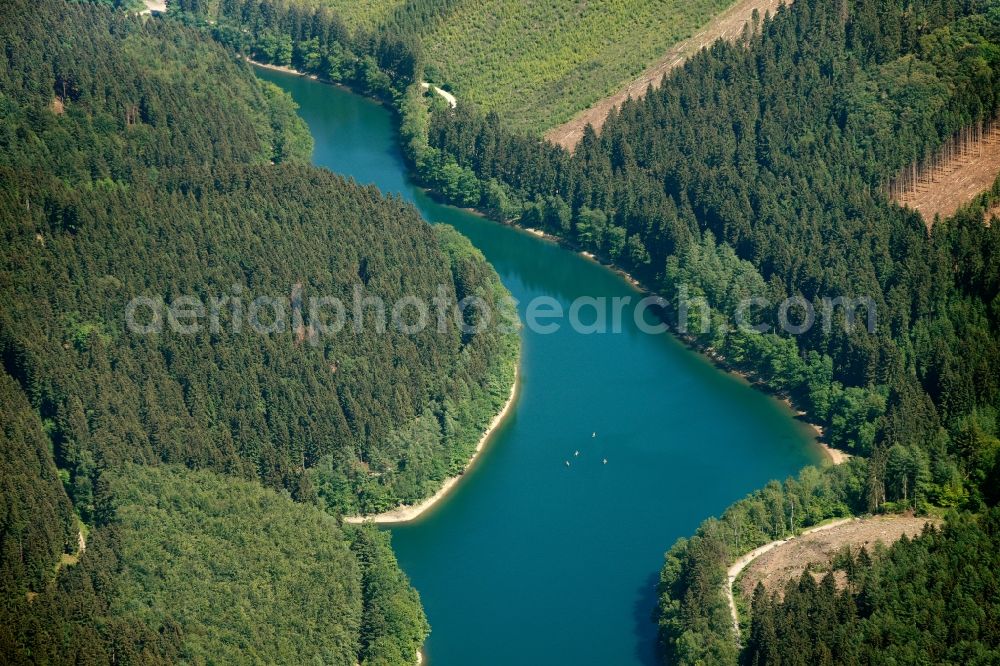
x=312, y=38
x=268, y=407
x=140, y=159
x=759, y=170
x=536, y=63
x=125, y=213
x=195, y=567
x=927, y=600
x=37, y=523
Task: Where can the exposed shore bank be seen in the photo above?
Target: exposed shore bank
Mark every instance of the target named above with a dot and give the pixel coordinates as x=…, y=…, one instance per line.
x=408, y=512
x=834, y=456
x=282, y=68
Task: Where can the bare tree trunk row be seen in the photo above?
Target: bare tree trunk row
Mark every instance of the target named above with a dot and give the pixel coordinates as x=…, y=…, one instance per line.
x=965, y=145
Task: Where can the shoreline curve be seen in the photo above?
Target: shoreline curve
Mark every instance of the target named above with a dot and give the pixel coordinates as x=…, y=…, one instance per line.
x=282, y=68
x=409, y=512
x=830, y=455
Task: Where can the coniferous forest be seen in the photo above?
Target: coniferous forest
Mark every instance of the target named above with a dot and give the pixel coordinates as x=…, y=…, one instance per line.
x=141, y=159
x=927, y=600
x=537, y=62
x=761, y=167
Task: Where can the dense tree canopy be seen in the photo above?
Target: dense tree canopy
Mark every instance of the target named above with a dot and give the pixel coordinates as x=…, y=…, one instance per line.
x=140, y=159
x=759, y=169
x=311, y=38
x=536, y=62
x=140, y=219
x=37, y=523
x=931, y=599
x=197, y=567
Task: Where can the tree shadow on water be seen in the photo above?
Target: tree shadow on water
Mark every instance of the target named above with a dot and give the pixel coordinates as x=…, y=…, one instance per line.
x=645, y=626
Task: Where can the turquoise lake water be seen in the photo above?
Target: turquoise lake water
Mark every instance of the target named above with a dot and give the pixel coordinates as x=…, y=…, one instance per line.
x=528, y=560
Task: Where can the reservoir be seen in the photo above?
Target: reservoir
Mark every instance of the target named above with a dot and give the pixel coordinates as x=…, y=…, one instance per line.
x=530, y=560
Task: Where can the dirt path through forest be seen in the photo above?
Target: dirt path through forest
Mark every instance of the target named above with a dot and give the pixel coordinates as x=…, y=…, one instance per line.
x=448, y=97
x=744, y=561
x=775, y=563
x=728, y=25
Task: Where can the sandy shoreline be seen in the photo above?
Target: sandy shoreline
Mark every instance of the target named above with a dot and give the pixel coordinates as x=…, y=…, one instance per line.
x=280, y=68
x=835, y=456
x=408, y=512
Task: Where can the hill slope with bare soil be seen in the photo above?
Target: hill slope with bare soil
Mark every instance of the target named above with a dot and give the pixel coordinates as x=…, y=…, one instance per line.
x=817, y=549
x=727, y=26
x=956, y=181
